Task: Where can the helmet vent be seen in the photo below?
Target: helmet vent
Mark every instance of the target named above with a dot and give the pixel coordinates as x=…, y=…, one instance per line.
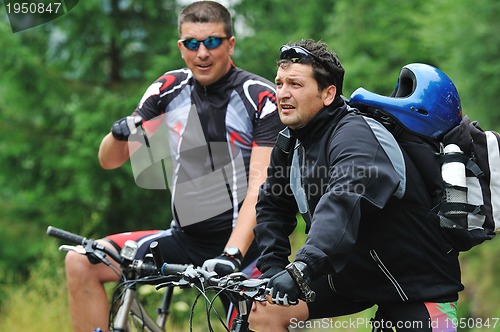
x=421, y=111
x=406, y=84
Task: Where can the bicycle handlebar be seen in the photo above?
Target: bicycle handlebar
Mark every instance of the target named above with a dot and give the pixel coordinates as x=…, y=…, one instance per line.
x=173, y=269
x=96, y=251
x=240, y=290
x=91, y=246
x=65, y=235
x=236, y=283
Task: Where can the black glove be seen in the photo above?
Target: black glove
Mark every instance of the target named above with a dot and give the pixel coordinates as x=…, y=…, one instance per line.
x=222, y=265
x=292, y=284
x=271, y=272
x=283, y=289
x=123, y=128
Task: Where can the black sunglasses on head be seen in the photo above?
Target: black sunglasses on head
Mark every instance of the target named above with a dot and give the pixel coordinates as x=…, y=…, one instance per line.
x=296, y=54
x=210, y=42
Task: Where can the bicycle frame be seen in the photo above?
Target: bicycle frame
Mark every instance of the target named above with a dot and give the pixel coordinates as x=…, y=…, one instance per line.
x=129, y=308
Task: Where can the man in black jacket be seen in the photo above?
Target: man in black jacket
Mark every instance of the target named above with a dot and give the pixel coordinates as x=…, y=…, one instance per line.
x=371, y=240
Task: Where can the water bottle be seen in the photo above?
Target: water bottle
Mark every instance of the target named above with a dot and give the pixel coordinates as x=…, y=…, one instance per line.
x=453, y=173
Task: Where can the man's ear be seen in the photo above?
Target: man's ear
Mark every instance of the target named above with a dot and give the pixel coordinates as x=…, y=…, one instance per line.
x=181, y=50
x=329, y=95
x=232, y=42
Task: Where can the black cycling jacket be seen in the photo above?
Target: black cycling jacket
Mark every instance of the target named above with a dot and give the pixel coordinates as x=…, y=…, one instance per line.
x=366, y=207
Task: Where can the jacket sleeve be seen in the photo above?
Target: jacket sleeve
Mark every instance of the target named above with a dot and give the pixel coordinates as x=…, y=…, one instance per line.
x=366, y=170
x=276, y=214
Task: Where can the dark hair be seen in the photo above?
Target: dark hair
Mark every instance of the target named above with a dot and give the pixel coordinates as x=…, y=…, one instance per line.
x=327, y=69
x=206, y=12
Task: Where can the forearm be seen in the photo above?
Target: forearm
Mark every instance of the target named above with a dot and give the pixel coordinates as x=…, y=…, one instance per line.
x=113, y=153
x=242, y=235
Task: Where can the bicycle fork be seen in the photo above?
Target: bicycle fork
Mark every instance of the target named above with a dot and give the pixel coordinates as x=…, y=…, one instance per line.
x=164, y=310
x=121, y=318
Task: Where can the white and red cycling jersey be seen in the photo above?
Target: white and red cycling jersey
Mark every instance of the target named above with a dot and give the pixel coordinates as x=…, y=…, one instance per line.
x=211, y=132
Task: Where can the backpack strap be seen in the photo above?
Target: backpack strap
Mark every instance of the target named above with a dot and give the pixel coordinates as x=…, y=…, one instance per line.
x=453, y=157
x=469, y=208
x=469, y=162
x=472, y=166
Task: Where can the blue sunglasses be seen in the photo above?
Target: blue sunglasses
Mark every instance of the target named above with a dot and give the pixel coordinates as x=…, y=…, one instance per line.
x=210, y=43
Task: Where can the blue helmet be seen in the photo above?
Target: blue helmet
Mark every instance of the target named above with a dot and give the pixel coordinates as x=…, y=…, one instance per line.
x=425, y=101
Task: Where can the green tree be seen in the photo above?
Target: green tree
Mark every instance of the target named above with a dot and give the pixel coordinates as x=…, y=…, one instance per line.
x=374, y=40
x=62, y=86
x=64, y=83
x=262, y=26
x=465, y=39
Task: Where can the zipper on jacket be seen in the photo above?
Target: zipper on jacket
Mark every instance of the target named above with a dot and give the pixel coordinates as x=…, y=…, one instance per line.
x=302, y=161
x=389, y=276
x=297, y=183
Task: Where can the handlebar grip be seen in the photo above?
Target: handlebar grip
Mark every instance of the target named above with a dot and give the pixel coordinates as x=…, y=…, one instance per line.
x=172, y=269
x=154, y=247
x=65, y=235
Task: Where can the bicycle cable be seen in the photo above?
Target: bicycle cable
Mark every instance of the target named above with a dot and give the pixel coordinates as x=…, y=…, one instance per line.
x=208, y=308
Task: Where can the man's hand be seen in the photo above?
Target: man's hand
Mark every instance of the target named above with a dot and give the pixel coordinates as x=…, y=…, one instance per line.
x=283, y=289
x=222, y=265
x=271, y=272
x=123, y=128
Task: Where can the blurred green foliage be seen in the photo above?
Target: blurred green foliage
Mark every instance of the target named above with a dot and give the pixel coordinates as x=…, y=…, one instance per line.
x=64, y=83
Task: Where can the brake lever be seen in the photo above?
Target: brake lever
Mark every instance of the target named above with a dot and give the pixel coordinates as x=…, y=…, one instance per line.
x=260, y=298
x=237, y=276
x=78, y=250
x=101, y=256
x=256, y=289
x=181, y=283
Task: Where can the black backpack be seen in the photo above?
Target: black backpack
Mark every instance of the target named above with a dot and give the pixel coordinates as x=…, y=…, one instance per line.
x=464, y=223
x=481, y=157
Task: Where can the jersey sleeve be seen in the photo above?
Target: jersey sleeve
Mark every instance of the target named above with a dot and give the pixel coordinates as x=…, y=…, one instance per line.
x=267, y=130
x=267, y=121
x=152, y=102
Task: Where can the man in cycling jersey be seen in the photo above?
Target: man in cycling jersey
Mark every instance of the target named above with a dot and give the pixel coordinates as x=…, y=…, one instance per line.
x=370, y=238
x=222, y=123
